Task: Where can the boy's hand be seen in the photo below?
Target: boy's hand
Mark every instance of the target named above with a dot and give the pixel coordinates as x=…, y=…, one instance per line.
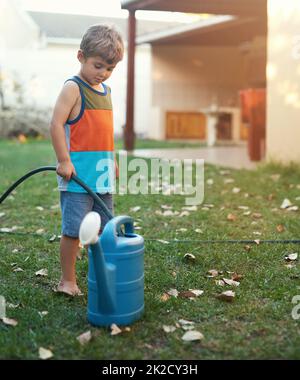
x=65, y=169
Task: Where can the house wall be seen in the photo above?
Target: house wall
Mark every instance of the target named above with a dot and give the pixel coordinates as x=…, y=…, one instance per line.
x=195, y=78
x=41, y=72
x=283, y=84
x=33, y=70
x=191, y=77
x=17, y=30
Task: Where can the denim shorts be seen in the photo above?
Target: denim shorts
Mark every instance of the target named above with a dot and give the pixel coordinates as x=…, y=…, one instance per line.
x=74, y=207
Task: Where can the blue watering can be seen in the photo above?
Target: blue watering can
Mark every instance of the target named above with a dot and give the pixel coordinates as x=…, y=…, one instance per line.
x=116, y=262
x=116, y=270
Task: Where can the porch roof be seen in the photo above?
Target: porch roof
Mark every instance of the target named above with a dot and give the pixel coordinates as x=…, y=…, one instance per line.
x=219, y=30
x=220, y=7
x=235, y=21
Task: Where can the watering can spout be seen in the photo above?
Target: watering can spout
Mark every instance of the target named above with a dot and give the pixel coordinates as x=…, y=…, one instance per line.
x=105, y=273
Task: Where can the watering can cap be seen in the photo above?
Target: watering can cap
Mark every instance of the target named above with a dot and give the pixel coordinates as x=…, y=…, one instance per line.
x=89, y=228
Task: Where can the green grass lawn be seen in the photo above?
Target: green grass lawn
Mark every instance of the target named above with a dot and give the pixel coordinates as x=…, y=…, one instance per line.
x=258, y=323
x=157, y=144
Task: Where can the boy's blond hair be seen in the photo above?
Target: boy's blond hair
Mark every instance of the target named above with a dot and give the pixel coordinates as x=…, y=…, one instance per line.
x=104, y=41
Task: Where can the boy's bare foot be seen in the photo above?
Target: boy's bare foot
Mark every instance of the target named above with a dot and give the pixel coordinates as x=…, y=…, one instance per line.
x=69, y=288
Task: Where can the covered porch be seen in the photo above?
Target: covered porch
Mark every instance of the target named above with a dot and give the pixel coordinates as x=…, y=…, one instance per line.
x=245, y=28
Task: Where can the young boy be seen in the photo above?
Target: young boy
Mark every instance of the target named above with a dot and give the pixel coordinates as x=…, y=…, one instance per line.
x=82, y=136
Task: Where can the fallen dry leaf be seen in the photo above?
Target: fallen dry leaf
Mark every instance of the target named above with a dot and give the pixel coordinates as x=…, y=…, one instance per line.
x=199, y=231
x=44, y=353
x=186, y=322
x=275, y=177
x=224, y=172
x=42, y=272
x=184, y=213
x=182, y=229
x=257, y=241
x=9, y=321
x=220, y=283
x=236, y=277
x=247, y=247
x=291, y=257
x=227, y=296
x=115, y=330
x=192, y=335
x=197, y=292
x=43, y=313
x=231, y=217
x=54, y=207
x=286, y=203
x=189, y=256
x=84, y=338
x=18, y=270
x=257, y=215
x=169, y=329
x=135, y=209
x=149, y=346
x=243, y=207
x=231, y=282
x=5, y=229
x=213, y=273
x=52, y=238
x=293, y=208
x=40, y=231
x=290, y=266
x=187, y=327
x=189, y=208
x=173, y=292
x=12, y=306
x=167, y=213
x=236, y=190
x=165, y=297
x=163, y=241
x=186, y=294
x=166, y=207
x=280, y=228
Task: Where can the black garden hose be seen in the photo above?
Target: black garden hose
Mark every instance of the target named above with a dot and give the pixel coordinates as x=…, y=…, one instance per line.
x=74, y=178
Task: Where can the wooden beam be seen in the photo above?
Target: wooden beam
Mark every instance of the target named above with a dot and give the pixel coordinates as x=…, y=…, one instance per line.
x=224, y=7
x=129, y=135
x=135, y=5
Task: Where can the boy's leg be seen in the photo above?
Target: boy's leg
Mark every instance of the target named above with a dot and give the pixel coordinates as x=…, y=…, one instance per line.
x=74, y=207
x=68, y=255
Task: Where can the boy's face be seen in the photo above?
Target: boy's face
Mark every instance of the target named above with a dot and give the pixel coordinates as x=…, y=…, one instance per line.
x=94, y=69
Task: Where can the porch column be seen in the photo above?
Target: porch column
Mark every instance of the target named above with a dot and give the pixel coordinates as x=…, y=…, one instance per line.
x=283, y=81
x=129, y=135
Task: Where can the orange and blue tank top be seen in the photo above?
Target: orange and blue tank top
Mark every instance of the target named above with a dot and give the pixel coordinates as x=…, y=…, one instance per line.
x=90, y=140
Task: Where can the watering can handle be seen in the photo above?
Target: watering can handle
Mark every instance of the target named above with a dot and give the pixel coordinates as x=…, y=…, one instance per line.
x=113, y=228
x=125, y=220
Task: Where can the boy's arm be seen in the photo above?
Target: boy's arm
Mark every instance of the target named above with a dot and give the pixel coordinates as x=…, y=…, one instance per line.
x=64, y=104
